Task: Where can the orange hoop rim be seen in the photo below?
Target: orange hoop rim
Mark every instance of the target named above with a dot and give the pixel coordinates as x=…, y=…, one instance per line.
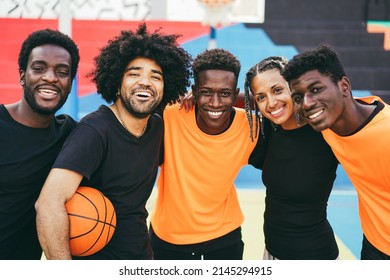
x=216, y=12
x=215, y=3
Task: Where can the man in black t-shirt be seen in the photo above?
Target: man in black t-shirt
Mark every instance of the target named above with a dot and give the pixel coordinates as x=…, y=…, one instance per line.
x=31, y=137
x=116, y=149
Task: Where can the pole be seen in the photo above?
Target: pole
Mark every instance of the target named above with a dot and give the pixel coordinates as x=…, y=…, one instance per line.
x=212, y=38
x=65, y=26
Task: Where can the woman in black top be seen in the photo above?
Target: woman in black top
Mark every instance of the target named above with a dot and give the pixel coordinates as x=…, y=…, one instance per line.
x=295, y=219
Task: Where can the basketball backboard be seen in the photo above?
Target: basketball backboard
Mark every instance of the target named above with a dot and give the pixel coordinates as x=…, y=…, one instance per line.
x=245, y=11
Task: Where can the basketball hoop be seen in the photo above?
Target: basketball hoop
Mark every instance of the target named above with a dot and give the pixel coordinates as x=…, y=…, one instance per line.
x=216, y=12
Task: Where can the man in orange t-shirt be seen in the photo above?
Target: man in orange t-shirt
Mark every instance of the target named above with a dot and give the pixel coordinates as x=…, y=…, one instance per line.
x=358, y=131
x=197, y=213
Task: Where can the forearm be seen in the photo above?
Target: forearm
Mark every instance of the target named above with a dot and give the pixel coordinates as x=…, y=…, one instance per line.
x=53, y=232
x=52, y=218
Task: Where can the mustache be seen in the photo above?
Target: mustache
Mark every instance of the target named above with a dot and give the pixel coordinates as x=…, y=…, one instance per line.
x=149, y=89
x=52, y=87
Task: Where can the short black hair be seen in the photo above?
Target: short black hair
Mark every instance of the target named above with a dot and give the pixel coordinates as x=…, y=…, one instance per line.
x=269, y=63
x=216, y=59
x=323, y=59
x=52, y=37
x=113, y=59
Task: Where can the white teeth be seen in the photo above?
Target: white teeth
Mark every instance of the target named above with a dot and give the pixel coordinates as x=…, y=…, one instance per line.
x=143, y=93
x=215, y=114
x=47, y=91
x=277, y=111
x=316, y=114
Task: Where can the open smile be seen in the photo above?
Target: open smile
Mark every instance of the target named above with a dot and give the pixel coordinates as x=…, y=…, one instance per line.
x=143, y=95
x=315, y=115
x=276, y=112
x=214, y=113
x=48, y=93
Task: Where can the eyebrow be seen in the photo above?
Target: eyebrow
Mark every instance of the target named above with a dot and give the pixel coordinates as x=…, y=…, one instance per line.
x=139, y=67
x=309, y=86
x=313, y=83
x=276, y=85
x=208, y=87
x=40, y=61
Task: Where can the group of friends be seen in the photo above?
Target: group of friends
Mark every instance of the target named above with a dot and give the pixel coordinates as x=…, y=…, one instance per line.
x=299, y=122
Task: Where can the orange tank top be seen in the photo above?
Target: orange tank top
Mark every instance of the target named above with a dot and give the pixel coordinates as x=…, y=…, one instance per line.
x=365, y=156
x=197, y=199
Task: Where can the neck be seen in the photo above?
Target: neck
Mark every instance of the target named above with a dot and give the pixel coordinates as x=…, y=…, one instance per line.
x=22, y=113
x=353, y=117
x=294, y=122
x=134, y=126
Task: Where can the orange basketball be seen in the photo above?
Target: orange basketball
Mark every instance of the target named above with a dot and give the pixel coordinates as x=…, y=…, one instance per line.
x=92, y=221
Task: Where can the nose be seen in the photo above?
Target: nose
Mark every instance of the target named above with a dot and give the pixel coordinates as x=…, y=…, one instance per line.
x=144, y=80
x=215, y=100
x=50, y=76
x=308, y=102
x=272, y=101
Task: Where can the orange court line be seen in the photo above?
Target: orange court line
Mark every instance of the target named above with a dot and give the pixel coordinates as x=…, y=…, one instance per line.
x=380, y=28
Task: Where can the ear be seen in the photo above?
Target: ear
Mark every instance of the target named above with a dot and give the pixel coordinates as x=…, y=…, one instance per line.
x=22, y=76
x=345, y=86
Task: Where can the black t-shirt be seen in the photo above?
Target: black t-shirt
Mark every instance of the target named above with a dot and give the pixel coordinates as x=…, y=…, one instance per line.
x=26, y=157
x=298, y=172
x=124, y=169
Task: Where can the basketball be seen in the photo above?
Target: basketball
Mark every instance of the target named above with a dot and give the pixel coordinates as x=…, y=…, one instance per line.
x=92, y=221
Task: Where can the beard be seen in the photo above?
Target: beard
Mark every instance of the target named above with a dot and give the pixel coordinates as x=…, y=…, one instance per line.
x=32, y=102
x=139, y=111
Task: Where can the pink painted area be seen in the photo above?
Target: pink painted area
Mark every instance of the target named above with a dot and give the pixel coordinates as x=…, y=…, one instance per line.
x=90, y=37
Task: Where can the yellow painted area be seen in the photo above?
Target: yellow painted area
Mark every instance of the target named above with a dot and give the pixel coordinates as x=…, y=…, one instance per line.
x=345, y=253
x=252, y=204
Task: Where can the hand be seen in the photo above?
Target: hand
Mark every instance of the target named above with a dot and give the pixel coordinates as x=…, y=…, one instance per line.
x=187, y=101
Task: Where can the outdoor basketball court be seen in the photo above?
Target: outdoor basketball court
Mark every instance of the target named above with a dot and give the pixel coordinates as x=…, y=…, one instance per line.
x=250, y=45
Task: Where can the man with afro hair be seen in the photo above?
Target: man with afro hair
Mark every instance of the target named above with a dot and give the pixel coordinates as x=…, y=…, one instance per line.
x=116, y=149
x=197, y=213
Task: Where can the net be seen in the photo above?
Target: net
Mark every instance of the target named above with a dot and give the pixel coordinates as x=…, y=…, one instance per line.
x=216, y=12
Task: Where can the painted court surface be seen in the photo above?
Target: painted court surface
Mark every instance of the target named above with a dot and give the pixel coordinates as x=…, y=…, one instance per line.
x=249, y=45
x=342, y=214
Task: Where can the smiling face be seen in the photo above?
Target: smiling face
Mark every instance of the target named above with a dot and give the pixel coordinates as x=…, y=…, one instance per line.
x=47, y=80
x=215, y=94
x=273, y=98
x=320, y=100
x=142, y=87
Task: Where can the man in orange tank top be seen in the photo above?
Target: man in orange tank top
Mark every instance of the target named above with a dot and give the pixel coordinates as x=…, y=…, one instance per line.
x=197, y=213
x=358, y=131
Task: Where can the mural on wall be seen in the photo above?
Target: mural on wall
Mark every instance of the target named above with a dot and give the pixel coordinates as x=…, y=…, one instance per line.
x=81, y=9
x=94, y=23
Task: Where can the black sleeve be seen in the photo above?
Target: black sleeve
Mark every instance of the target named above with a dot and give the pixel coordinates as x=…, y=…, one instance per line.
x=160, y=114
x=256, y=159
